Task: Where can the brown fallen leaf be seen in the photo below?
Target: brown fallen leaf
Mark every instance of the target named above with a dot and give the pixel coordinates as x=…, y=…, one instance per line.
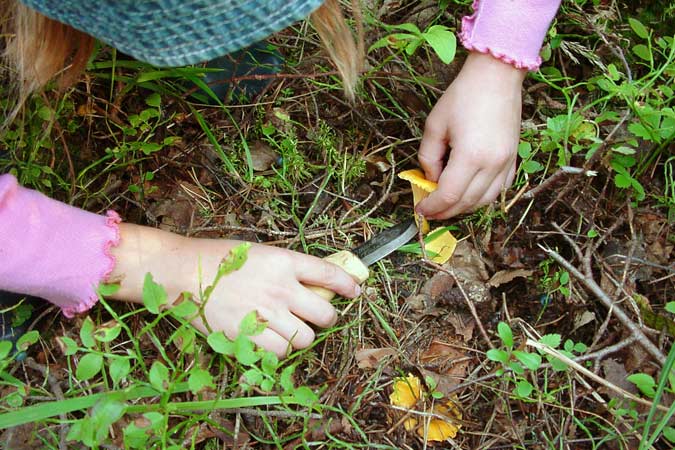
x=370, y=358
x=263, y=156
x=506, y=276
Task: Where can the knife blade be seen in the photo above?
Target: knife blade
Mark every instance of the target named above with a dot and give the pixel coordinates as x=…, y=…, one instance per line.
x=356, y=261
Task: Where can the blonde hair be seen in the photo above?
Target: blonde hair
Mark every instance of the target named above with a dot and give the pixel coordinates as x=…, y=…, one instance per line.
x=38, y=49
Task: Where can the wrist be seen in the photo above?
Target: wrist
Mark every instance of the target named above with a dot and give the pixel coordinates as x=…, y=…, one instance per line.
x=488, y=67
x=144, y=250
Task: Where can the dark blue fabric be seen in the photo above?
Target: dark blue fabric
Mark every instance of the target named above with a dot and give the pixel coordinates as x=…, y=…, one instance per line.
x=170, y=33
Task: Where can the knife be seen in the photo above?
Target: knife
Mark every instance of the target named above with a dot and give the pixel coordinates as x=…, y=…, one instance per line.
x=356, y=261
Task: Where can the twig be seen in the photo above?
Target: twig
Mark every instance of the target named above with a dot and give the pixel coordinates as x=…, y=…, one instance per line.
x=592, y=286
x=563, y=171
x=581, y=369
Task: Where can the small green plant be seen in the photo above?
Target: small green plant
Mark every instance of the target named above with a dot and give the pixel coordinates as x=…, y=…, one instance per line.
x=515, y=362
x=553, y=281
x=438, y=37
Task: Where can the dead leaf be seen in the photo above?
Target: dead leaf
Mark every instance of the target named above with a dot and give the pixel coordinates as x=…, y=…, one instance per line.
x=464, y=324
x=582, y=319
x=406, y=391
x=370, y=358
x=263, y=157
x=506, y=276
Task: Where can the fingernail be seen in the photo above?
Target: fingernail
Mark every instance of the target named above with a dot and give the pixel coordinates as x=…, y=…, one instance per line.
x=357, y=291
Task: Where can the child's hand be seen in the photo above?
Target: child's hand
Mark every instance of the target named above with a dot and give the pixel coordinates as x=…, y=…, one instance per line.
x=479, y=118
x=270, y=282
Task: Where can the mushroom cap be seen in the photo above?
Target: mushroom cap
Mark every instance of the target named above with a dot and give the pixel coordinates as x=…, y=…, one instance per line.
x=416, y=178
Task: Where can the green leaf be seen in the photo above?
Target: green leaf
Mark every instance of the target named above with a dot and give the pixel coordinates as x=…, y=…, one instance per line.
x=669, y=433
x=220, y=343
x=286, y=379
x=497, y=355
x=505, y=334
x=640, y=131
x=154, y=295
x=199, y=379
x=108, y=333
x=409, y=27
x=244, y=351
x=638, y=28
x=524, y=150
x=523, y=388
x=45, y=113
x=27, y=340
x=87, y=333
x=89, y=365
x=670, y=307
x=5, y=348
x=552, y=340
x=185, y=308
x=556, y=364
x=106, y=290
x=580, y=347
x=623, y=150
x=253, y=376
x=564, y=277
x=119, y=368
x=443, y=41
x=154, y=100
x=516, y=367
x=184, y=338
x=251, y=325
x=103, y=415
x=530, y=360
x=269, y=363
x=305, y=396
x=69, y=345
x=644, y=382
x=622, y=181
x=642, y=52
x=532, y=166
x=159, y=376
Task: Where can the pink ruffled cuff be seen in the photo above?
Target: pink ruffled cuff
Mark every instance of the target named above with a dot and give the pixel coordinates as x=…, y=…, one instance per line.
x=52, y=250
x=510, y=30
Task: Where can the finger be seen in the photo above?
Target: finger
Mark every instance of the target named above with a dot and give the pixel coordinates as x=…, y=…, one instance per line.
x=293, y=330
x=493, y=191
x=433, y=147
x=314, y=271
x=312, y=308
x=271, y=341
x=480, y=183
x=501, y=182
x=452, y=184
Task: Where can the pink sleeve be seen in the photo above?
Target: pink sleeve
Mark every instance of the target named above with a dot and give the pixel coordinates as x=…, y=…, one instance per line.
x=511, y=30
x=51, y=250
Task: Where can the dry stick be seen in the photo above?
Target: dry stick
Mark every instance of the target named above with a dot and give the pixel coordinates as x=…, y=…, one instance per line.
x=581, y=369
x=592, y=286
x=58, y=393
x=597, y=355
x=563, y=171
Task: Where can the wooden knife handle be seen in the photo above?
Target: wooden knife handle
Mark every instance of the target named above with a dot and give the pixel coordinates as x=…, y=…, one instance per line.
x=351, y=264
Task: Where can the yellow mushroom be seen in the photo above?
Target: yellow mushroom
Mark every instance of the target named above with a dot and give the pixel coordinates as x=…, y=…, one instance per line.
x=421, y=188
